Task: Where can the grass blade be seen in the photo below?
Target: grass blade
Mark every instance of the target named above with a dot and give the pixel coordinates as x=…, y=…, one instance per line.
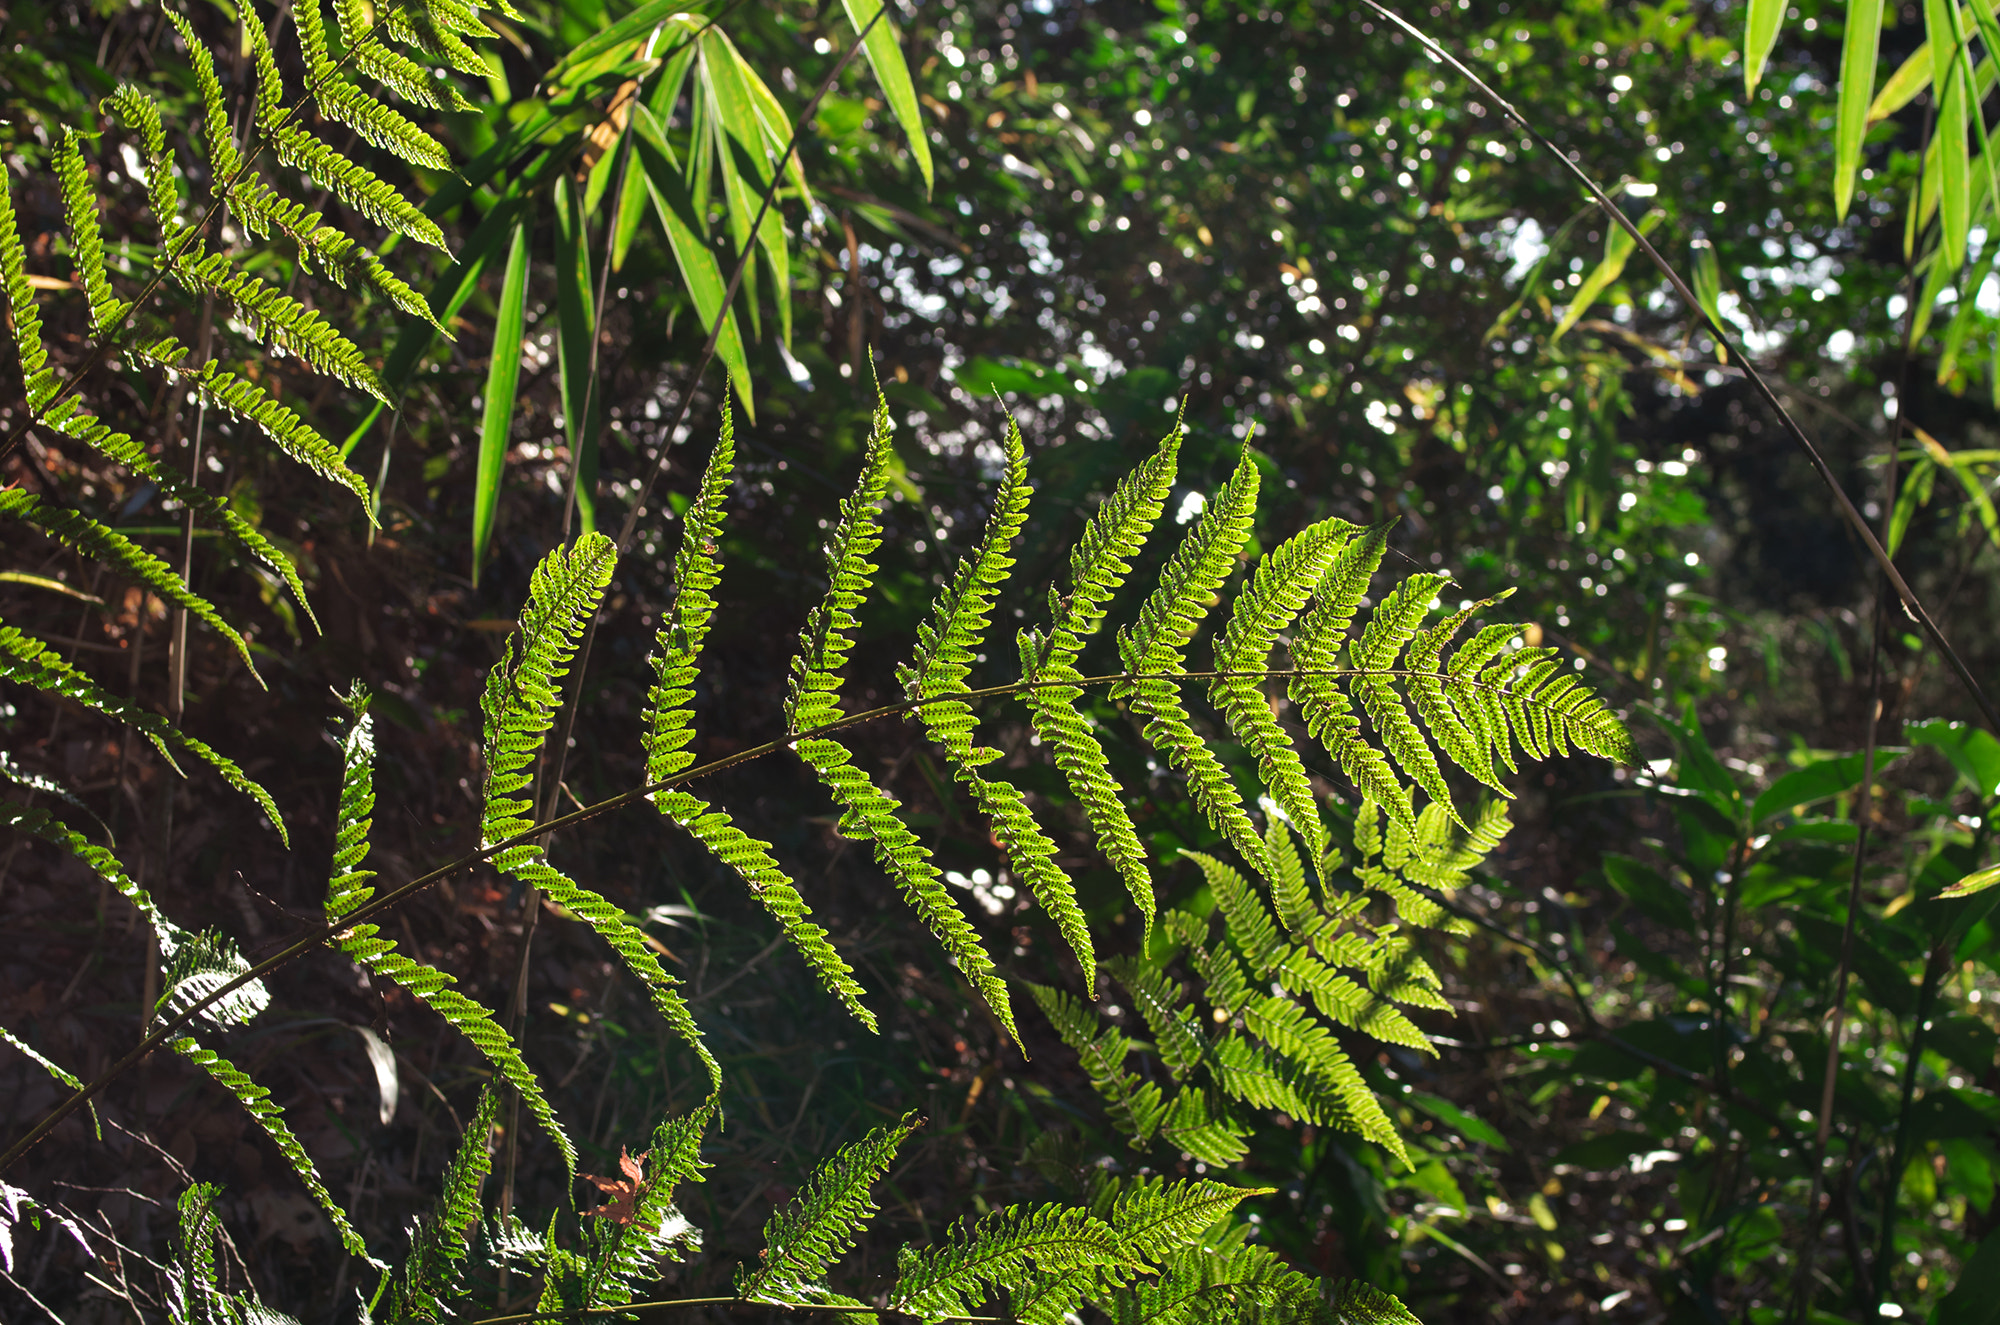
x=503, y=377
x=1859, y=46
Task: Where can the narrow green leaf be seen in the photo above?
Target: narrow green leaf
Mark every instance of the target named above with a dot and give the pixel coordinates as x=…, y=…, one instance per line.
x=1977, y=882
x=1618, y=246
x=1911, y=77
x=698, y=267
x=1760, y=34
x=1858, y=49
x=885, y=56
x=503, y=377
x=1950, y=91
x=583, y=407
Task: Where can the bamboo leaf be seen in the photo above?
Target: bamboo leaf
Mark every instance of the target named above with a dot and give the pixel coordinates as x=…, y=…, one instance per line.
x=1760, y=34
x=503, y=376
x=1859, y=46
x=885, y=57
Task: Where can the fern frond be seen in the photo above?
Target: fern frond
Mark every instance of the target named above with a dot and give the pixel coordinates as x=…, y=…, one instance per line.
x=439, y=1241
x=1394, y=625
x=684, y=625
x=256, y=1101
x=55, y=1070
x=1197, y=1123
x=138, y=111
x=1276, y=593
x=1461, y=736
x=519, y=704
x=100, y=542
x=1156, y=1217
x=1296, y=911
x=291, y=434
x=200, y=964
x=1177, y=1033
x=73, y=422
x=1098, y=566
x=774, y=890
x=86, y=241
x=947, y=646
x=347, y=891
x=1156, y=648
x=1346, y=1098
x=225, y=163
x=381, y=63
x=284, y=322
x=1134, y=1105
x=355, y=185
x=38, y=381
x=38, y=822
x=657, y=1231
x=437, y=28
x=29, y=662
x=953, y=1277
x=1249, y=924
x=338, y=99
x=1315, y=686
x=868, y=812
x=803, y=1240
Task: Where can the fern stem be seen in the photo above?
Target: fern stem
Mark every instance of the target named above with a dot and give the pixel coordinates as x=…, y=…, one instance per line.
x=1842, y=502
x=396, y=896
x=102, y=350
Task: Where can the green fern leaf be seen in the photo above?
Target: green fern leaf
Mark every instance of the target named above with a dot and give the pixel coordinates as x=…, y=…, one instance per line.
x=200, y=964
x=439, y=1245
x=140, y=112
x=85, y=237
x=292, y=435
x=29, y=662
x=947, y=646
x=60, y=1074
x=1155, y=649
x=1463, y=742
x=624, y=1252
x=100, y=542
x=1156, y=1217
x=381, y=63
x=118, y=446
x=1345, y=1098
x=284, y=322
x=1276, y=593
x=953, y=1277
x=684, y=625
x=38, y=822
x=355, y=185
x=225, y=163
x=1098, y=566
x=519, y=705
x=1158, y=997
x=1198, y=1124
x=868, y=812
x=347, y=891
x=256, y=1101
x=38, y=381
x=1134, y=1105
x=1394, y=625
x=437, y=28
x=338, y=99
x=803, y=1240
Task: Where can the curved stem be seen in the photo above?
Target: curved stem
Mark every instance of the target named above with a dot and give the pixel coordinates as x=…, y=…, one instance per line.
x=309, y=942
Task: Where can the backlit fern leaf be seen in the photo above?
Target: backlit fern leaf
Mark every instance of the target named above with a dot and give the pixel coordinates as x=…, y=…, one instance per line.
x=1315, y=686
x=347, y=890
x=1098, y=566
x=1461, y=736
x=439, y=1238
x=100, y=542
x=1277, y=591
x=954, y=1276
x=812, y=701
x=283, y=321
x=71, y=421
x=27, y=661
x=256, y=1101
x=669, y=721
x=519, y=706
x=819, y=1226
x=337, y=99
x=57, y=1072
x=38, y=380
x=391, y=68
x=355, y=185
x=292, y=435
x=1392, y=626
x=1134, y=1105
x=1155, y=647
x=86, y=242
x=626, y=1251
x=199, y=965
x=947, y=646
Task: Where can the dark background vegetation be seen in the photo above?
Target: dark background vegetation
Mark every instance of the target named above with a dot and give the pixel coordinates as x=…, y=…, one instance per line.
x=1288, y=219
